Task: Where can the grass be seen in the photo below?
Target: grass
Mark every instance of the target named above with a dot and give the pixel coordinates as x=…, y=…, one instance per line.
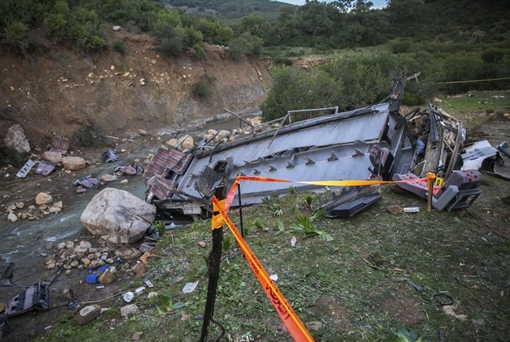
x=475, y=107
x=356, y=285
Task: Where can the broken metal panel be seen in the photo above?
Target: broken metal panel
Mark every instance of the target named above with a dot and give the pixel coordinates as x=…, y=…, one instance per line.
x=363, y=125
x=25, y=169
x=59, y=144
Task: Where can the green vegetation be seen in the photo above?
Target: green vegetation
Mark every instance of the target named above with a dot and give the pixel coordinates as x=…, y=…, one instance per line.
x=81, y=24
x=86, y=136
x=10, y=156
x=119, y=47
x=356, y=283
x=201, y=90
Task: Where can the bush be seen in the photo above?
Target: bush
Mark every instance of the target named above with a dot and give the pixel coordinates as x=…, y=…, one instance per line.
x=282, y=60
x=170, y=47
x=400, y=46
x=245, y=44
x=200, y=90
x=199, y=51
x=86, y=136
x=119, y=47
x=10, y=156
x=18, y=36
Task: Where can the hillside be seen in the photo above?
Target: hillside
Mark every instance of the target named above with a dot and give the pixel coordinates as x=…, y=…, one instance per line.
x=56, y=92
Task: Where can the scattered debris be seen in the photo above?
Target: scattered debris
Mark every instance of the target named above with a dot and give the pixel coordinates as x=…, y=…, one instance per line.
x=190, y=287
x=109, y=156
x=450, y=310
x=25, y=169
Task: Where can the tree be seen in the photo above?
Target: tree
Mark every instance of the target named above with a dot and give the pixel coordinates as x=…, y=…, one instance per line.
x=254, y=24
x=57, y=19
x=245, y=44
x=18, y=36
x=85, y=29
x=297, y=89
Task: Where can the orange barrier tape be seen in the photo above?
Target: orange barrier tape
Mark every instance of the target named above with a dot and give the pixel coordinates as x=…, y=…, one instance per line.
x=294, y=325
x=231, y=193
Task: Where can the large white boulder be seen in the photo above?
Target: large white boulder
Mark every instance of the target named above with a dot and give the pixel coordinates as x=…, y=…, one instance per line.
x=118, y=216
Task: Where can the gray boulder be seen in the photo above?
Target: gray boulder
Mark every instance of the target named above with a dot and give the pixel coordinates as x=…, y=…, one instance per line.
x=16, y=139
x=118, y=216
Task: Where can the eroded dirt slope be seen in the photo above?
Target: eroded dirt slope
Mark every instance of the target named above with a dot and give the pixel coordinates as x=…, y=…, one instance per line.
x=56, y=91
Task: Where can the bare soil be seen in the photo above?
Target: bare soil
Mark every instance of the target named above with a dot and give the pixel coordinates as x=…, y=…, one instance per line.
x=54, y=91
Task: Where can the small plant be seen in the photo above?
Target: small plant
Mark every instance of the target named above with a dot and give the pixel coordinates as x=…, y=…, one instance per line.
x=292, y=190
x=276, y=209
x=307, y=228
x=281, y=228
x=167, y=302
x=160, y=227
x=119, y=47
x=226, y=243
x=261, y=227
x=404, y=335
x=308, y=201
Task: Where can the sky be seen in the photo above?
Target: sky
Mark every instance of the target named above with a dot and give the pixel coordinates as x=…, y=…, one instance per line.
x=377, y=3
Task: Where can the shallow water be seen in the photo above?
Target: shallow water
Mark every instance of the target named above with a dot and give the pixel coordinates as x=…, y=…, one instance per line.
x=25, y=242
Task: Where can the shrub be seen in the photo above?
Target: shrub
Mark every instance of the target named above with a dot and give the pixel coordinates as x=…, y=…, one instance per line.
x=170, y=47
x=86, y=136
x=199, y=51
x=400, y=46
x=119, y=47
x=9, y=155
x=200, y=90
x=282, y=60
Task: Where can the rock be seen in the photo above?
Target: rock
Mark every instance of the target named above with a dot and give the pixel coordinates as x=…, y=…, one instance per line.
x=202, y=244
x=85, y=244
x=15, y=138
x=185, y=143
x=88, y=314
x=108, y=178
x=54, y=157
x=395, y=209
x=69, y=244
x=256, y=121
x=85, y=261
x=124, y=181
x=142, y=132
x=107, y=277
x=137, y=336
x=20, y=205
x=172, y=143
x=54, y=210
x=118, y=216
x=43, y=198
x=222, y=135
x=58, y=204
x=116, y=28
x=73, y=163
x=12, y=217
x=129, y=310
